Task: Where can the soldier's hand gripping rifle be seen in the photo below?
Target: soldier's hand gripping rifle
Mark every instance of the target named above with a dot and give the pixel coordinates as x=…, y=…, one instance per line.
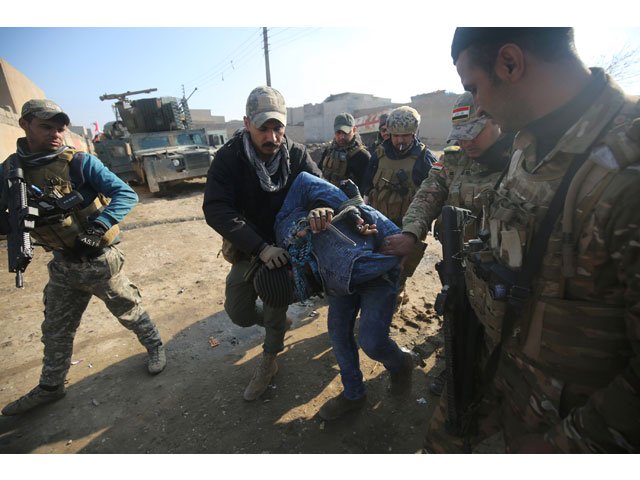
x=462, y=330
x=21, y=221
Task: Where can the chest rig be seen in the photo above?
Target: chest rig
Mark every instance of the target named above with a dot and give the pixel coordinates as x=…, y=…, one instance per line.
x=393, y=186
x=335, y=164
x=59, y=232
x=537, y=293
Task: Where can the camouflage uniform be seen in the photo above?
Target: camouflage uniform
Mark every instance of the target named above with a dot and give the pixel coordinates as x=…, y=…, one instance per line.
x=463, y=182
x=72, y=283
x=569, y=367
x=75, y=274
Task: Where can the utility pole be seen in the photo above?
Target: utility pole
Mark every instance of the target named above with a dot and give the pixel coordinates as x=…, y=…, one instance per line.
x=266, y=55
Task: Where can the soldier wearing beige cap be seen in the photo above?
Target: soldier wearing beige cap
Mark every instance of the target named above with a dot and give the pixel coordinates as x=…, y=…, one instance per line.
x=246, y=186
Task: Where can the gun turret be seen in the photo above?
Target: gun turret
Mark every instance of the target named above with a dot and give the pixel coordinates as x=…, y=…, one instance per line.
x=123, y=96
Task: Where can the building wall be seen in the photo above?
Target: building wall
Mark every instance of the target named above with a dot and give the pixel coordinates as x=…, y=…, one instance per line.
x=435, y=112
x=318, y=118
x=16, y=88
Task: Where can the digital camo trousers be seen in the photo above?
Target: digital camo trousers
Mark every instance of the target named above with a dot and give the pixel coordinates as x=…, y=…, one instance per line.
x=66, y=296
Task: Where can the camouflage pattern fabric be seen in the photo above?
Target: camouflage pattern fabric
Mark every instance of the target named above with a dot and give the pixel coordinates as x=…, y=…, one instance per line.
x=454, y=180
x=570, y=369
x=403, y=121
x=266, y=103
x=66, y=296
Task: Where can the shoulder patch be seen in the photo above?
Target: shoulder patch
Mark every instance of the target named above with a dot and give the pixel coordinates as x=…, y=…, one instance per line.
x=437, y=166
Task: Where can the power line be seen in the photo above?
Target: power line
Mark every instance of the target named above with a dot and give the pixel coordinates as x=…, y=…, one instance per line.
x=227, y=62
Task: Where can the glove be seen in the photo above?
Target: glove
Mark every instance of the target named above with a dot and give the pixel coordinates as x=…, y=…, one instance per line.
x=319, y=218
x=274, y=257
x=90, y=240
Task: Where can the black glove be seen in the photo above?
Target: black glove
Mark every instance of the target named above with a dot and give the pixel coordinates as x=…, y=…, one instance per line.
x=90, y=240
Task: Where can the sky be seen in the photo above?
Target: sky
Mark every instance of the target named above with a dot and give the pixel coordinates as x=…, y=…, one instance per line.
x=217, y=66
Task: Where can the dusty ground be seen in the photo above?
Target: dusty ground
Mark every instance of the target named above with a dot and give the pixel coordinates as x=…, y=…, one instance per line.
x=195, y=405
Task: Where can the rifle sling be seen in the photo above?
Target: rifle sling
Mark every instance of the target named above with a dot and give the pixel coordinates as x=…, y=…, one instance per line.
x=521, y=290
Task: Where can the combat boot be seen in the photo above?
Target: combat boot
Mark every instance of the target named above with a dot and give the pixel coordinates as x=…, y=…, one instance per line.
x=261, y=377
x=340, y=405
x=157, y=359
x=36, y=397
x=401, y=381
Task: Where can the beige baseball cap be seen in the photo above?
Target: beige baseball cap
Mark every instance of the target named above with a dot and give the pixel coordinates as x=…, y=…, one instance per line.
x=266, y=103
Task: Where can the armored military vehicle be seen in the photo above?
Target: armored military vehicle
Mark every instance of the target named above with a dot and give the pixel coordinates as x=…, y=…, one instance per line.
x=152, y=142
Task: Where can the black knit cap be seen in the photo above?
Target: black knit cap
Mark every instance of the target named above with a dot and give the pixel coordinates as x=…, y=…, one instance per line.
x=464, y=37
x=274, y=287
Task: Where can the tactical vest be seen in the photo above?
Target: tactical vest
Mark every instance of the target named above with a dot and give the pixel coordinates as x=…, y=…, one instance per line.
x=389, y=194
x=54, y=179
x=334, y=166
x=471, y=187
x=565, y=337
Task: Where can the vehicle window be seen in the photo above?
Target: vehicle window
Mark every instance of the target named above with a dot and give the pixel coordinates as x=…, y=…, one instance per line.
x=190, y=139
x=154, y=142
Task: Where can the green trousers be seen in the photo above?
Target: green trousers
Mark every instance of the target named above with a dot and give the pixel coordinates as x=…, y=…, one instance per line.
x=240, y=305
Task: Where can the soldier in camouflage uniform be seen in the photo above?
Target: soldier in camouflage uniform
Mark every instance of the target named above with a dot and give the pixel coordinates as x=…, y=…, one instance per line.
x=85, y=260
x=568, y=373
x=460, y=178
x=346, y=157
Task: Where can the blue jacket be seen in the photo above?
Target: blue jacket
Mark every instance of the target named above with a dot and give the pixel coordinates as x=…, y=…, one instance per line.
x=338, y=265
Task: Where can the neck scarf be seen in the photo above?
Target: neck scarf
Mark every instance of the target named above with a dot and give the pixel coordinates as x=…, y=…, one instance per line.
x=29, y=159
x=278, y=165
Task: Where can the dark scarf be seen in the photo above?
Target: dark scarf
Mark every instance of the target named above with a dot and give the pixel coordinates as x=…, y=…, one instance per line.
x=354, y=144
x=38, y=159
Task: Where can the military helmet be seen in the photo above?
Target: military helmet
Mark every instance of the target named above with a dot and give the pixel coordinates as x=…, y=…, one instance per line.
x=403, y=121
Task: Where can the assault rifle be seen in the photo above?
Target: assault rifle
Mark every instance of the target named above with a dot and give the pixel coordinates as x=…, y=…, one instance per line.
x=53, y=208
x=21, y=222
x=462, y=331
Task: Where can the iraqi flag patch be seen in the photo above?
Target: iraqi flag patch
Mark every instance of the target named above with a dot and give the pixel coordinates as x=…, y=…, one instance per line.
x=461, y=113
x=437, y=166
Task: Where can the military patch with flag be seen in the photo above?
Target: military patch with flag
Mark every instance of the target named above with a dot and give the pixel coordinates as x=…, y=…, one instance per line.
x=437, y=166
x=461, y=113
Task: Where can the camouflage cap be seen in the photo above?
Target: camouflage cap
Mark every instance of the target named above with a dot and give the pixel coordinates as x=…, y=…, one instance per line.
x=403, y=120
x=467, y=122
x=344, y=122
x=266, y=103
x=383, y=120
x=44, y=109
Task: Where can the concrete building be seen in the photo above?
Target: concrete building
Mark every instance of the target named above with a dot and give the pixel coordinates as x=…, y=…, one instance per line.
x=318, y=118
x=15, y=90
x=435, y=112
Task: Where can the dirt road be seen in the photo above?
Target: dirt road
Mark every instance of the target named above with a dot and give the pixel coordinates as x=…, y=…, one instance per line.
x=196, y=405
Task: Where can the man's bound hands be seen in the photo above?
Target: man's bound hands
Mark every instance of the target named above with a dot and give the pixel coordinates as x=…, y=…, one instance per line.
x=319, y=218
